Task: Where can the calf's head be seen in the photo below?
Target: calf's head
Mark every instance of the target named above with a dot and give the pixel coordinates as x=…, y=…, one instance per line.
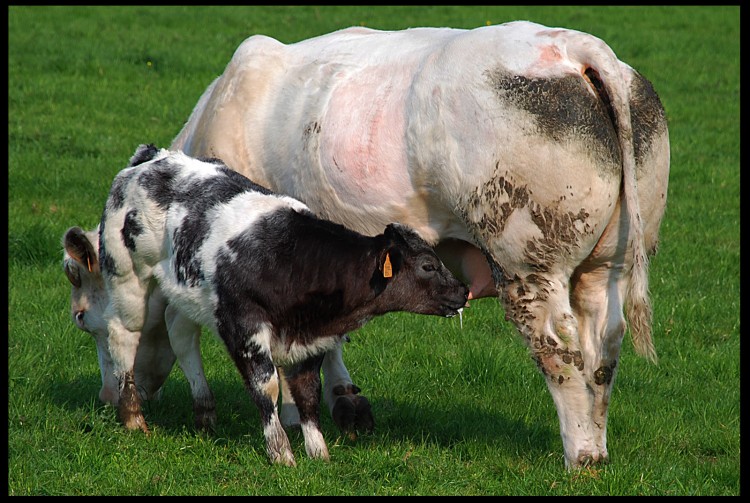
x=88, y=301
x=413, y=278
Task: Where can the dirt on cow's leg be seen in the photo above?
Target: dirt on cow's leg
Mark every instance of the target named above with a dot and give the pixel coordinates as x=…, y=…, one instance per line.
x=540, y=308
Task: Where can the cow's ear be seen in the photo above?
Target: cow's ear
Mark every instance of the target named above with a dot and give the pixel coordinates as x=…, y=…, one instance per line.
x=79, y=253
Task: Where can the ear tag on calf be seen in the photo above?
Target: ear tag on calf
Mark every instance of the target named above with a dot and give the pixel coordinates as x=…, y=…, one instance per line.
x=88, y=262
x=387, y=269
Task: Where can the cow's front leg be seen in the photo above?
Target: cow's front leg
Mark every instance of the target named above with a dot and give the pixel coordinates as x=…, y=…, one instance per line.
x=303, y=380
x=350, y=411
x=184, y=336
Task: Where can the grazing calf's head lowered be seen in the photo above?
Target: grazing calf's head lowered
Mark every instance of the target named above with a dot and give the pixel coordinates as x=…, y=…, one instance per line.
x=89, y=299
x=276, y=283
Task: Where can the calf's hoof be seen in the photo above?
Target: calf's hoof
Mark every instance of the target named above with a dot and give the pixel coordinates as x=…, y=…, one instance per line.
x=205, y=419
x=352, y=412
x=283, y=457
x=134, y=421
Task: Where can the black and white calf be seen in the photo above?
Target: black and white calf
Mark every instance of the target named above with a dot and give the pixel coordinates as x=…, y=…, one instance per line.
x=277, y=284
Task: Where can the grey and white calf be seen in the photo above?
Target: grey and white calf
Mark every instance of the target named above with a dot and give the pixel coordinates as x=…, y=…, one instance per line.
x=155, y=356
x=277, y=284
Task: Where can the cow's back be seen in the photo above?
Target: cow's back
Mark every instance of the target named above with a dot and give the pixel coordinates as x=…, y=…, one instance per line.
x=369, y=127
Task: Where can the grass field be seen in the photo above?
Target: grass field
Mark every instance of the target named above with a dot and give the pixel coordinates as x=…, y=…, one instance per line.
x=458, y=411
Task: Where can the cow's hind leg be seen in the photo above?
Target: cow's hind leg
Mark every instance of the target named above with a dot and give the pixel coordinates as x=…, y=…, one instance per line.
x=350, y=411
x=597, y=295
x=184, y=336
x=303, y=380
x=252, y=356
x=539, y=306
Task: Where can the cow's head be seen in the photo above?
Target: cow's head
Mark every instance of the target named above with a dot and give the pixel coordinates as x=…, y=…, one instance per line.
x=414, y=276
x=88, y=301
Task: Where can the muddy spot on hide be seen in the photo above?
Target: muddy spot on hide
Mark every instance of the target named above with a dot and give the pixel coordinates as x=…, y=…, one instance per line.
x=563, y=109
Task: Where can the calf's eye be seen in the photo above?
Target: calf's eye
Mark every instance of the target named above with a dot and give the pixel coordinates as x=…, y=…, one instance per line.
x=79, y=318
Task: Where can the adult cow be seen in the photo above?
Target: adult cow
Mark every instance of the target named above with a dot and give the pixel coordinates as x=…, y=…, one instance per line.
x=533, y=158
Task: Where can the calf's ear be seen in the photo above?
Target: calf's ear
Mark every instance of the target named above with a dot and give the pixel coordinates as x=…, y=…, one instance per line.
x=390, y=261
x=143, y=153
x=394, y=233
x=79, y=253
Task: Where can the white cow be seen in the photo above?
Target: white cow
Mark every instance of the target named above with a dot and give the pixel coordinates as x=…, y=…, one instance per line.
x=533, y=158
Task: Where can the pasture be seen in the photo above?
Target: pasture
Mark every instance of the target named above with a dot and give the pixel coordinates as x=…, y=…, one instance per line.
x=458, y=410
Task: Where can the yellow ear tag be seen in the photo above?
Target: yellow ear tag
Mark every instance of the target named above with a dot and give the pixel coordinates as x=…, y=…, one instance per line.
x=88, y=262
x=387, y=269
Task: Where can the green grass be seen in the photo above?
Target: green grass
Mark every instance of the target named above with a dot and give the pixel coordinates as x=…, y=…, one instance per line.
x=458, y=411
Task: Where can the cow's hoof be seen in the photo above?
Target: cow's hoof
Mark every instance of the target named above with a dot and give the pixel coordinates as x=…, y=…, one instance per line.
x=352, y=412
x=588, y=459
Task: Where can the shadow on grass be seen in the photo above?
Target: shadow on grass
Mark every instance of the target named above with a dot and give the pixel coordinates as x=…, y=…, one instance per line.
x=395, y=420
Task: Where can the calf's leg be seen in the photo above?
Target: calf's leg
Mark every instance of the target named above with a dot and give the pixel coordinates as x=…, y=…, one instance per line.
x=184, y=336
x=303, y=380
x=125, y=316
x=252, y=356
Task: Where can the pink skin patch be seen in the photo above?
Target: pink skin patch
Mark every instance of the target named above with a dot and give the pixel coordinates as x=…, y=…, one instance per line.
x=549, y=54
x=367, y=152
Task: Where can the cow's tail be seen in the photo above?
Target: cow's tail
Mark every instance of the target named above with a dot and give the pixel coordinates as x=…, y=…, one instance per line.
x=604, y=72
